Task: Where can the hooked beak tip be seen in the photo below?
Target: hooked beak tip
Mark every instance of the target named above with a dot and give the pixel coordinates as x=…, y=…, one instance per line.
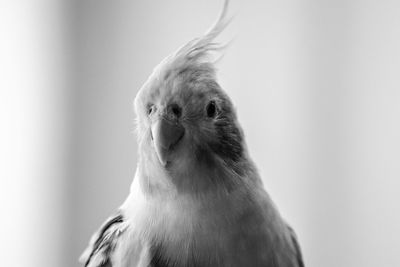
x=165, y=135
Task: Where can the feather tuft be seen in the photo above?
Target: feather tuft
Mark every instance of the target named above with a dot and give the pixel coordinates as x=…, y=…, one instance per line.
x=198, y=50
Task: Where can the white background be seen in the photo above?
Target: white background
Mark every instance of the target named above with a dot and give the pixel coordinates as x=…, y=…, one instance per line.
x=317, y=89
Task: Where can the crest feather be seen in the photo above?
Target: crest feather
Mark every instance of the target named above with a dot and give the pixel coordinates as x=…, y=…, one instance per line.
x=205, y=43
x=199, y=49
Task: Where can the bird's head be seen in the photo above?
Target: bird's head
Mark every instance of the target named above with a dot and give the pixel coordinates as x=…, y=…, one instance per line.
x=186, y=123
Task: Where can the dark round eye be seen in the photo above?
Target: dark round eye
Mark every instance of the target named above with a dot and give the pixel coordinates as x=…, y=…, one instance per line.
x=176, y=110
x=211, y=109
x=150, y=109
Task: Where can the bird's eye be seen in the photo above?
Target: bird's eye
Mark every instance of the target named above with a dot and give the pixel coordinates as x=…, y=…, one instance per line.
x=176, y=110
x=211, y=109
x=150, y=109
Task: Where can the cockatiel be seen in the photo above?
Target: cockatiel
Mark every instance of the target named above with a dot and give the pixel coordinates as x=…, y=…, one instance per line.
x=197, y=198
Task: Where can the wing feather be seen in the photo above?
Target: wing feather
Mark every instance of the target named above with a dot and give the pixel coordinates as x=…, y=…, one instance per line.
x=103, y=242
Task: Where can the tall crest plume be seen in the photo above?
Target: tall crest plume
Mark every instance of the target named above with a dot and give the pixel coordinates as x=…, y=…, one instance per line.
x=198, y=50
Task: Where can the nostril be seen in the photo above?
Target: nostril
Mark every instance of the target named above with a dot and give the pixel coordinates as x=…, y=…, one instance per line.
x=176, y=110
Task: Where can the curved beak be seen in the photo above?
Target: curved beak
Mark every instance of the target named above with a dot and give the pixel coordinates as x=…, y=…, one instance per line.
x=166, y=135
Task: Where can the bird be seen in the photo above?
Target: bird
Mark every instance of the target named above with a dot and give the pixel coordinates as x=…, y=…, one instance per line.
x=197, y=198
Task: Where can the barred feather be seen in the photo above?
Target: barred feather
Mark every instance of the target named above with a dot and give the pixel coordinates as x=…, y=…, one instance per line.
x=103, y=243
